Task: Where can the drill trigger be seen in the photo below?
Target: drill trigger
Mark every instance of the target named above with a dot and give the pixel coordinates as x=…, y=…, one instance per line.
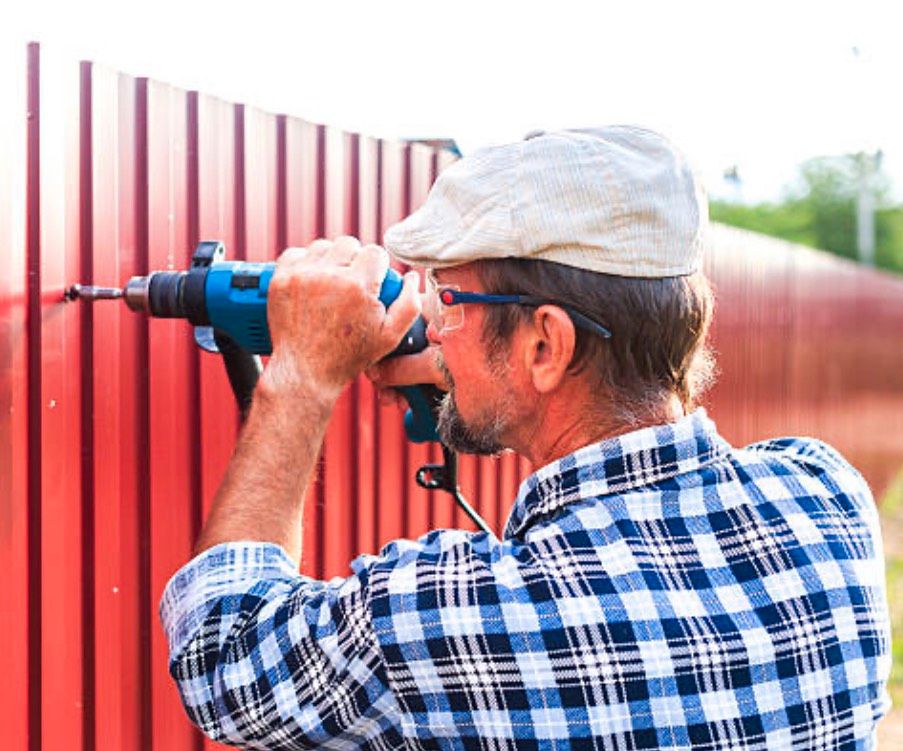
x=204, y=338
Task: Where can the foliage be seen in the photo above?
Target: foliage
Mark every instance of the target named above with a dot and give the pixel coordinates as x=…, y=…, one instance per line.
x=894, y=572
x=788, y=220
x=891, y=507
x=889, y=238
x=820, y=210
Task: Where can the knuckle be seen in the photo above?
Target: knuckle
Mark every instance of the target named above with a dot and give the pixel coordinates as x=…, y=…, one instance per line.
x=319, y=245
x=372, y=249
x=279, y=279
x=290, y=257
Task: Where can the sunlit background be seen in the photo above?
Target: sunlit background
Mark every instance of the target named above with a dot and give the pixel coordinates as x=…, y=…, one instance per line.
x=755, y=87
x=752, y=91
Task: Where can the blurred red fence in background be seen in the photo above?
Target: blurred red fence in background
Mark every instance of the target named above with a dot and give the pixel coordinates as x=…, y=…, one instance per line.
x=115, y=430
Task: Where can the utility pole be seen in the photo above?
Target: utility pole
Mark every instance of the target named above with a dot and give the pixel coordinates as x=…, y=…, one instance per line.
x=869, y=166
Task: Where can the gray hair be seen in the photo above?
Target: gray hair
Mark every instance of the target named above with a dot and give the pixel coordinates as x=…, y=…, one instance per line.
x=659, y=327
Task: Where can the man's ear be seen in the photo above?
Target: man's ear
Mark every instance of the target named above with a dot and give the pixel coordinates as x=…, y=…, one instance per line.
x=550, y=346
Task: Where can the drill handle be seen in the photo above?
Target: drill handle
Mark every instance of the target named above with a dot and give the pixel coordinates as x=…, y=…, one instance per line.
x=423, y=408
x=242, y=368
x=423, y=399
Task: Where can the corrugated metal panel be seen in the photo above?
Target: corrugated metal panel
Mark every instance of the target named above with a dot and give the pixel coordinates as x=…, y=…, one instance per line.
x=116, y=430
x=808, y=343
x=19, y=520
x=105, y=173
x=58, y=393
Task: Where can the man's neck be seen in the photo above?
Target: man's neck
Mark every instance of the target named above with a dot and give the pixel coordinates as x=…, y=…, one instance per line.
x=561, y=428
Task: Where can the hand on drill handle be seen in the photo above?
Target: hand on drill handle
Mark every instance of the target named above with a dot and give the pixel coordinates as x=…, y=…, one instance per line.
x=424, y=367
x=325, y=318
x=406, y=370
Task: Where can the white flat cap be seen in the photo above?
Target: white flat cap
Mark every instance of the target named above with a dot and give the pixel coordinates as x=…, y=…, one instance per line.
x=616, y=200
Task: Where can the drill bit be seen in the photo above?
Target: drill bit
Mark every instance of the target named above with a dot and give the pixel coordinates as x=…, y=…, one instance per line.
x=89, y=293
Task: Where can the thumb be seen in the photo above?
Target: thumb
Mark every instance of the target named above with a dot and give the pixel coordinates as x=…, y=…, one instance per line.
x=408, y=370
x=402, y=313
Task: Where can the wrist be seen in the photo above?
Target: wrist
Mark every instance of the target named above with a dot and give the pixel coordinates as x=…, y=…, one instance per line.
x=283, y=382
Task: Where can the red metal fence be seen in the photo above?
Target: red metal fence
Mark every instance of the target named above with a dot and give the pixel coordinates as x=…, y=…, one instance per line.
x=115, y=430
x=808, y=344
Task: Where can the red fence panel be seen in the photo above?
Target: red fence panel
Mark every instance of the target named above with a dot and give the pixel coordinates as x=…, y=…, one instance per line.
x=19, y=516
x=59, y=394
x=115, y=430
x=808, y=343
x=101, y=167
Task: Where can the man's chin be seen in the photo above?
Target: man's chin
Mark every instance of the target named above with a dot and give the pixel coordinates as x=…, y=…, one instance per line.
x=464, y=438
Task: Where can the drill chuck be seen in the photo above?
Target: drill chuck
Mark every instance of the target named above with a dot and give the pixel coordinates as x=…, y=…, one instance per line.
x=135, y=294
x=162, y=294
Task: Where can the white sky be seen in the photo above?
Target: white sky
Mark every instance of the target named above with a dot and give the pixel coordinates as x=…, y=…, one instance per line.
x=760, y=84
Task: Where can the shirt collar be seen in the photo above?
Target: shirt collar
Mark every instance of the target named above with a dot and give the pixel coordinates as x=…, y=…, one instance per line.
x=617, y=465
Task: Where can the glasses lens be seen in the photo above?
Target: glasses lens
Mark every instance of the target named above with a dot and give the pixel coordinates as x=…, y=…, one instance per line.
x=443, y=317
x=452, y=316
x=431, y=302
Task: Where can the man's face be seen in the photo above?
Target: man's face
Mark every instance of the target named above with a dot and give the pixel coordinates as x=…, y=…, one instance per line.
x=480, y=411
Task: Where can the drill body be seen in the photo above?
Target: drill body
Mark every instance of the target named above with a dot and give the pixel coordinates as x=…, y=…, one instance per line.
x=231, y=297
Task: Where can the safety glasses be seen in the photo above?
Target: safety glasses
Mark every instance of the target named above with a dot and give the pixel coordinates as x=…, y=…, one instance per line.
x=445, y=307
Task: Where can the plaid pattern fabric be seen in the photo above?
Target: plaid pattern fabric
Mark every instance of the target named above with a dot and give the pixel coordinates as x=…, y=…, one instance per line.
x=656, y=590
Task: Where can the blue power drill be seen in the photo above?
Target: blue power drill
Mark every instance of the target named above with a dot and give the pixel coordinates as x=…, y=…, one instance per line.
x=226, y=301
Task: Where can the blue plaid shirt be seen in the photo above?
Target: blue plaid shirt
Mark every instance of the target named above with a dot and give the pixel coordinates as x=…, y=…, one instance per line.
x=655, y=590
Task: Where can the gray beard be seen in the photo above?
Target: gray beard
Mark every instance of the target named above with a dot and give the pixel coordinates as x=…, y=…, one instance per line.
x=483, y=439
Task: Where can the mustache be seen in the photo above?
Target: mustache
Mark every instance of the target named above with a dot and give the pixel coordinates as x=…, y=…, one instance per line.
x=446, y=373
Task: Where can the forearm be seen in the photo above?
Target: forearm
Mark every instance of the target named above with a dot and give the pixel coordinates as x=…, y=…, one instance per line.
x=327, y=325
x=262, y=494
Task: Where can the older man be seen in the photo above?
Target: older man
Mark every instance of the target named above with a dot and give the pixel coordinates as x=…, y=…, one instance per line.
x=654, y=587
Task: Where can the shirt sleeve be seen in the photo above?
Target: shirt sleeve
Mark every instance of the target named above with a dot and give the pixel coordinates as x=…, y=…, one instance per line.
x=266, y=658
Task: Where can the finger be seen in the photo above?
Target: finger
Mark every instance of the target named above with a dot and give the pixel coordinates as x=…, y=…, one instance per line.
x=402, y=313
x=343, y=250
x=372, y=263
x=318, y=247
x=408, y=370
x=290, y=255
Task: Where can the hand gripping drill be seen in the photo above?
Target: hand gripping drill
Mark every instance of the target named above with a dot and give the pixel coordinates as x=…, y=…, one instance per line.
x=226, y=301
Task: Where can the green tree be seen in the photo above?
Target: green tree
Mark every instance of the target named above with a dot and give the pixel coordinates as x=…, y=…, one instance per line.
x=789, y=220
x=820, y=209
x=889, y=238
